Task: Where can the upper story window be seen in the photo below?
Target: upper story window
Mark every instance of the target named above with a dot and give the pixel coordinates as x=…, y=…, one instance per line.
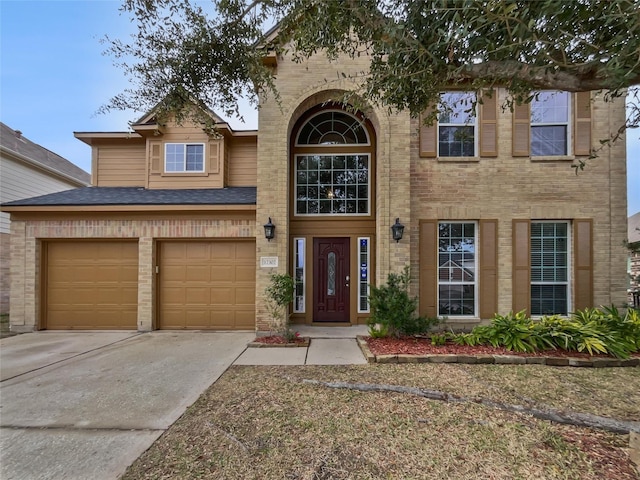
x=457, y=125
x=184, y=157
x=333, y=127
x=550, y=123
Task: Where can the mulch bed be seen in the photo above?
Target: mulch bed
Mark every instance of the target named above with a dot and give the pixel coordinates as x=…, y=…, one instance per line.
x=423, y=346
x=279, y=341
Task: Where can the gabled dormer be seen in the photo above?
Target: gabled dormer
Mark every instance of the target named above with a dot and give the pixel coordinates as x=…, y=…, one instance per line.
x=173, y=155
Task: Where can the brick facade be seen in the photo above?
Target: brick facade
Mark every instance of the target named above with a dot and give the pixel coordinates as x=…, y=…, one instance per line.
x=27, y=236
x=503, y=189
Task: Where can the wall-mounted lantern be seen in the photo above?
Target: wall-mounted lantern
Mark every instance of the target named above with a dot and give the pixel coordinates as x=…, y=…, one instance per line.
x=397, y=229
x=270, y=230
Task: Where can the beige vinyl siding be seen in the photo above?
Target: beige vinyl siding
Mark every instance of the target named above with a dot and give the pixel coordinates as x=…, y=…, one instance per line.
x=18, y=181
x=121, y=165
x=242, y=168
x=213, y=174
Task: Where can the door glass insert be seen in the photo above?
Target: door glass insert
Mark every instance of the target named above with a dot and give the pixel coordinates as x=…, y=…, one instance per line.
x=331, y=274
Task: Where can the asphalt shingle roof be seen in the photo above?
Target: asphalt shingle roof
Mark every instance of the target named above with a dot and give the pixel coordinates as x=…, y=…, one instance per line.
x=16, y=142
x=140, y=196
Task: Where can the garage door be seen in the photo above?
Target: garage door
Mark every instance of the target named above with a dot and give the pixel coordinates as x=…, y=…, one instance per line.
x=207, y=285
x=91, y=285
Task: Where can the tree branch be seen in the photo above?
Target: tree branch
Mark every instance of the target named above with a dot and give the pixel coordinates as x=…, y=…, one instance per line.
x=553, y=415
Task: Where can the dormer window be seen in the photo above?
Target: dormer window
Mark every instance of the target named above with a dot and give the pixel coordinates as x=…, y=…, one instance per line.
x=184, y=157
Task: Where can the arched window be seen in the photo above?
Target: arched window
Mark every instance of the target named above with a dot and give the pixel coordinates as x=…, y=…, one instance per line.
x=332, y=165
x=333, y=127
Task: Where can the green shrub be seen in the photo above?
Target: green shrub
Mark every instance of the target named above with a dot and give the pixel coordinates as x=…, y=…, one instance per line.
x=439, y=339
x=590, y=330
x=393, y=311
x=377, y=330
x=279, y=295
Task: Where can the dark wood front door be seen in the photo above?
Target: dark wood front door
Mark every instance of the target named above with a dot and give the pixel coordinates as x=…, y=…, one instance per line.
x=331, y=280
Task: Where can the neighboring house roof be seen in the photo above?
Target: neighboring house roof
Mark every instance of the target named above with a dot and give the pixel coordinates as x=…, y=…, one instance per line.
x=634, y=228
x=93, y=196
x=14, y=144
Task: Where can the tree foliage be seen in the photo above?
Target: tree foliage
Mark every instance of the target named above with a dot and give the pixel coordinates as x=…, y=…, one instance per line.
x=211, y=51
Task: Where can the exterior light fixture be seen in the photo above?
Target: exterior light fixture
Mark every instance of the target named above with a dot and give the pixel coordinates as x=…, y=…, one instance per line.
x=397, y=229
x=270, y=230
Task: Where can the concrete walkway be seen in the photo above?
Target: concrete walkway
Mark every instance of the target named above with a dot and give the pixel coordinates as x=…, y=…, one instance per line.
x=328, y=346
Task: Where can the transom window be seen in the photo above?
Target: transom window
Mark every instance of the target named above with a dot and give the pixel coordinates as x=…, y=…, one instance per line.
x=333, y=127
x=549, y=268
x=550, y=123
x=457, y=267
x=184, y=157
x=332, y=184
x=457, y=125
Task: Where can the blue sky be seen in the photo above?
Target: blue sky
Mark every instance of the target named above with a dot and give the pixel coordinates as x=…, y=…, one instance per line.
x=53, y=78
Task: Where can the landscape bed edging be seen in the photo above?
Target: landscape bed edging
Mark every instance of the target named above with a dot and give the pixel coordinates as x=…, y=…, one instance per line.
x=591, y=362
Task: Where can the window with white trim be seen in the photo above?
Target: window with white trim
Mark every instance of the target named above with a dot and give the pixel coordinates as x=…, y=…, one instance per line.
x=550, y=268
x=457, y=267
x=183, y=157
x=457, y=125
x=550, y=123
x=299, y=275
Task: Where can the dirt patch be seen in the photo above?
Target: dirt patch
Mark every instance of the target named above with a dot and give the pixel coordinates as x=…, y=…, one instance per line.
x=264, y=422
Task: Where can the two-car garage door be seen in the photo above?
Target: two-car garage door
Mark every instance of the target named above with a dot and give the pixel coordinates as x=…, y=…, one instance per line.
x=200, y=285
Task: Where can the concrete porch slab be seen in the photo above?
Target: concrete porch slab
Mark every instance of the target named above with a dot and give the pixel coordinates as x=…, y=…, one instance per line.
x=335, y=351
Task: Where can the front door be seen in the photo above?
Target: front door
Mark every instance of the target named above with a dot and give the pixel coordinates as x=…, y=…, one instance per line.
x=331, y=279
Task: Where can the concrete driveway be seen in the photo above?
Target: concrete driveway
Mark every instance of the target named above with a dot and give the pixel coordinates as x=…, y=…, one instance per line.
x=79, y=405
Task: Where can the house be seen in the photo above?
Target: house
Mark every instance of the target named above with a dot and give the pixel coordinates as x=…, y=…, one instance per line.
x=633, y=267
x=170, y=234
x=28, y=170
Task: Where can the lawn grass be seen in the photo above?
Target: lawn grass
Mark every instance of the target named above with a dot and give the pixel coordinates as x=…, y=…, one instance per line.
x=263, y=423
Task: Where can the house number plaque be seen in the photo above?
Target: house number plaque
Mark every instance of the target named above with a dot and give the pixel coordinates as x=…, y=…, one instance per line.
x=268, y=262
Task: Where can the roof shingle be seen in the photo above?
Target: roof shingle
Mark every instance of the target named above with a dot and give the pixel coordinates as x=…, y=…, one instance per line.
x=14, y=141
x=141, y=196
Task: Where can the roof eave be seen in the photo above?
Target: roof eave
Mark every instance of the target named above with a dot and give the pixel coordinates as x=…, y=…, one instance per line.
x=127, y=208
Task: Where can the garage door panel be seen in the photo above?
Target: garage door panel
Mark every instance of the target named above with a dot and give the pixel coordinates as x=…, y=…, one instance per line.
x=223, y=273
x=223, y=252
x=197, y=251
x=173, y=296
x=91, y=285
x=245, y=296
x=197, y=296
x=218, y=291
x=246, y=273
x=246, y=252
x=197, y=273
x=223, y=296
